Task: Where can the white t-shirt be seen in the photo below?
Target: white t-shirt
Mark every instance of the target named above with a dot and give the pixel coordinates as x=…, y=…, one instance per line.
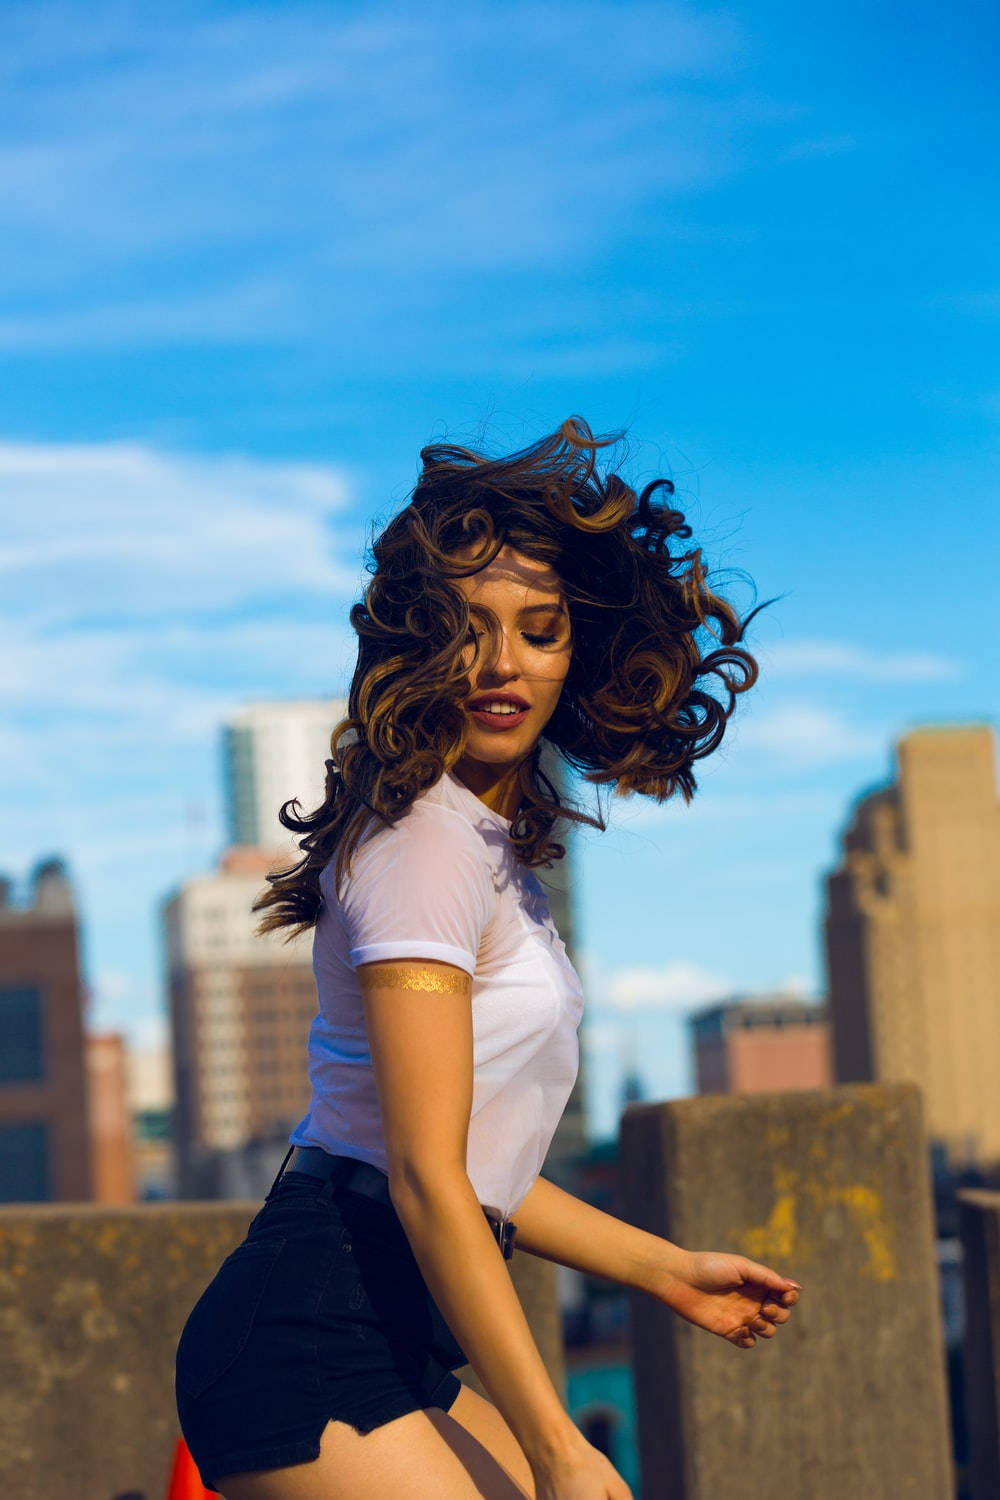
x=444, y=883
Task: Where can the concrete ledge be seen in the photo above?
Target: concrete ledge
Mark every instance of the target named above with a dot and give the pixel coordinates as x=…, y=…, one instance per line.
x=831, y=1187
x=92, y=1302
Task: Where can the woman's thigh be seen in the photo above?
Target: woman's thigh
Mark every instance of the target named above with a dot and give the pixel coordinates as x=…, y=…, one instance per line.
x=481, y=1419
x=467, y=1454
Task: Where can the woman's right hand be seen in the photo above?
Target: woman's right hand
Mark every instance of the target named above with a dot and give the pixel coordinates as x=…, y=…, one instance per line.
x=580, y=1473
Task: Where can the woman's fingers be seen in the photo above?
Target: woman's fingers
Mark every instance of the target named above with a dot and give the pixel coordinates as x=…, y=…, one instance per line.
x=773, y=1280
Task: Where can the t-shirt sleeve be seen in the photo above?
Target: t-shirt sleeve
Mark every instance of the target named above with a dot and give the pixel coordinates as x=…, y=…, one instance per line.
x=421, y=889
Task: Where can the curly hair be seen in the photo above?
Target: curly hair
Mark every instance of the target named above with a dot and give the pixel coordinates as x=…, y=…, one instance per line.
x=630, y=711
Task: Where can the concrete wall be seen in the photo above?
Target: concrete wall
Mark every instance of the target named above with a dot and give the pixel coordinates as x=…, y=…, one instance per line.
x=830, y=1187
x=92, y=1301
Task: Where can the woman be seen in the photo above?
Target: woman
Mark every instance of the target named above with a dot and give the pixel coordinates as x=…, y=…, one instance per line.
x=513, y=601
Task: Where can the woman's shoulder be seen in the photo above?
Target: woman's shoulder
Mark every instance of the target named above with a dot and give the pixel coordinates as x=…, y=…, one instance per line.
x=448, y=809
x=436, y=833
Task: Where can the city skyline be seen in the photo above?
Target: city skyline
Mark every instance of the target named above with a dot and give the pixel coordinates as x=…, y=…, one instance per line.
x=256, y=257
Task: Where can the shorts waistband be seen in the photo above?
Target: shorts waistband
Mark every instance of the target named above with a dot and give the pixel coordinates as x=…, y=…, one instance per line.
x=361, y=1177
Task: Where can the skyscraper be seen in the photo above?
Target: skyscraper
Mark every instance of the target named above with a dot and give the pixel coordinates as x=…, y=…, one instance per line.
x=570, y=1139
x=240, y=1005
x=274, y=752
x=240, y=1008
x=913, y=937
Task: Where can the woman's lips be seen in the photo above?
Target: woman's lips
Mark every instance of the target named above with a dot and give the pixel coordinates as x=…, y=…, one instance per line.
x=498, y=722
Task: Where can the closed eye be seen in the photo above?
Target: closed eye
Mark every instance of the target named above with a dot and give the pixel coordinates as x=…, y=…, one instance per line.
x=541, y=640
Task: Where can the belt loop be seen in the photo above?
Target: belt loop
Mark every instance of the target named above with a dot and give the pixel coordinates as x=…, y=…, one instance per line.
x=281, y=1172
x=327, y=1186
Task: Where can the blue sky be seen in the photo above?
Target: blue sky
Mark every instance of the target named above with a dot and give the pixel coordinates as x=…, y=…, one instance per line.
x=254, y=256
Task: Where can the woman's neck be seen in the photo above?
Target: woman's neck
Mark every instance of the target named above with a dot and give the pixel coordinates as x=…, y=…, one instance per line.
x=497, y=787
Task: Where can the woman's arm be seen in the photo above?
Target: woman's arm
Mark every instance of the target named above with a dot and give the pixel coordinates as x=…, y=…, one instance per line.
x=553, y=1224
x=419, y=1019
x=737, y=1298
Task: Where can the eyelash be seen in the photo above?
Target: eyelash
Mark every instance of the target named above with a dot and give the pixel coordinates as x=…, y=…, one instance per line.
x=533, y=640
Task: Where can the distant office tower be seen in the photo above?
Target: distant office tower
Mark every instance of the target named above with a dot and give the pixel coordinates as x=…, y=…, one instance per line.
x=44, y=1135
x=110, y=1119
x=274, y=752
x=913, y=937
x=151, y=1098
x=570, y=1140
x=240, y=1010
x=754, y=1043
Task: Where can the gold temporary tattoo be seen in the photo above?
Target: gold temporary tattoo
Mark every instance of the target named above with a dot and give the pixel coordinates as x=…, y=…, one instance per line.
x=438, y=982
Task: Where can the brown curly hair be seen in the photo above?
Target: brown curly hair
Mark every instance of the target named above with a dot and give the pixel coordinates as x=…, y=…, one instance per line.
x=630, y=711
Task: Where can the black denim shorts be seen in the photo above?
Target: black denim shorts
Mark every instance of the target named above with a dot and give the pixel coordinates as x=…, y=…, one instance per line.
x=321, y=1312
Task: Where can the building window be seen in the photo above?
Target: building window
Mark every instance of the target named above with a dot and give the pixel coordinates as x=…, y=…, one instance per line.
x=21, y=1056
x=24, y=1163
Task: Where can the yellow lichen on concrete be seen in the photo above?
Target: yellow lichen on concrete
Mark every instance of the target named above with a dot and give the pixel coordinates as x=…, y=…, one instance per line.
x=100, y=1323
x=868, y=1211
x=775, y=1240
x=779, y=1240
x=106, y=1240
x=16, y=1239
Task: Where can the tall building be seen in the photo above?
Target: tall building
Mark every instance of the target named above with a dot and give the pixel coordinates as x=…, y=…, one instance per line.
x=751, y=1044
x=274, y=752
x=913, y=937
x=151, y=1099
x=44, y=1127
x=240, y=1010
x=570, y=1140
x=112, y=1164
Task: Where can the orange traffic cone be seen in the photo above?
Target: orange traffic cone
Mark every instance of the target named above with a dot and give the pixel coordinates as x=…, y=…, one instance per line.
x=185, y=1481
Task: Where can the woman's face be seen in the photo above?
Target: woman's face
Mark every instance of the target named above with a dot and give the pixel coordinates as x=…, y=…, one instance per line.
x=516, y=682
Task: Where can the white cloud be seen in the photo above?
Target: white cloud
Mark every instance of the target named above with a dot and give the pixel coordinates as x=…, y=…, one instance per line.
x=795, y=986
x=168, y=681
x=677, y=986
x=144, y=596
x=807, y=735
x=123, y=528
x=674, y=987
x=815, y=658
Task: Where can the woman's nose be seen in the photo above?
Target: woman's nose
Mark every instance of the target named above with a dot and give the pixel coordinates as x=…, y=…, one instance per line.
x=499, y=658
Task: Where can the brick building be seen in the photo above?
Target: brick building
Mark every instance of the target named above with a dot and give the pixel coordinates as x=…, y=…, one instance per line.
x=240, y=1010
x=750, y=1044
x=44, y=1122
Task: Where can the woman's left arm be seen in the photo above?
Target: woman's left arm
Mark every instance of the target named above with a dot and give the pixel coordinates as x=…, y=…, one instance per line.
x=553, y=1224
x=737, y=1298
